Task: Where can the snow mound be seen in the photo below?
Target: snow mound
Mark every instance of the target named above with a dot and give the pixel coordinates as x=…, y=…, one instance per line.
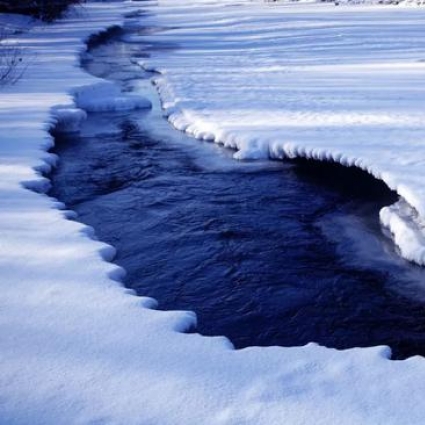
x=407, y=229
x=107, y=97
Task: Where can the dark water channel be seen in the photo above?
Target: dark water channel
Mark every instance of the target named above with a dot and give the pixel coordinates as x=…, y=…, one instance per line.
x=266, y=253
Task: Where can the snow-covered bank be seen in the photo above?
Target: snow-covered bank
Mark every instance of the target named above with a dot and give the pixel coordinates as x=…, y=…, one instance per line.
x=78, y=348
x=317, y=81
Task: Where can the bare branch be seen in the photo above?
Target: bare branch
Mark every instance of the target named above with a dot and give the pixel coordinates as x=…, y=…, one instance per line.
x=12, y=65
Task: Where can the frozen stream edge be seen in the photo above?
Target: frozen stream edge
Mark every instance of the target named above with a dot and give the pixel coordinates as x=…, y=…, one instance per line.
x=183, y=100
x=405, y=225
x=79, y=348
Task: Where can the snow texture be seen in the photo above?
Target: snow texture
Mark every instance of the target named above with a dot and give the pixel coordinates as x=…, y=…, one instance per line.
x=79, y=348
x=343, y=84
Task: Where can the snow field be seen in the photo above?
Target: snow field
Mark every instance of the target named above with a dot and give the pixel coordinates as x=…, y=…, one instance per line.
x=78, y=348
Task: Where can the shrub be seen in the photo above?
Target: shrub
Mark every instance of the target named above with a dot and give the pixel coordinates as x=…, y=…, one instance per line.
x=47, y=10
x=11, y=62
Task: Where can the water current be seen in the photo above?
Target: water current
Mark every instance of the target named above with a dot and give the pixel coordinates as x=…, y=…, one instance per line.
x=266, y=253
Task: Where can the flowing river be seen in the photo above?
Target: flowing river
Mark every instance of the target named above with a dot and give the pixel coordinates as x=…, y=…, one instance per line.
x=265, y=253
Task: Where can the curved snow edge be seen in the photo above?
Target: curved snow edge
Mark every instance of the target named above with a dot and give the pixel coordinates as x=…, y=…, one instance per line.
x=406, y=227
x=100, y=96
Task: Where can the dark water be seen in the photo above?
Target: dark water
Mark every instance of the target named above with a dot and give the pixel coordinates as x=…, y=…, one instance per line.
x=266, y=253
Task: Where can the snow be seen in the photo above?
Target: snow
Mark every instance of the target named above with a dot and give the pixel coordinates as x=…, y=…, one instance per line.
x=106, y=97
x=406, y=229
x=343, y=84
x=12, y=24
x=79, y=348
x=68, y=118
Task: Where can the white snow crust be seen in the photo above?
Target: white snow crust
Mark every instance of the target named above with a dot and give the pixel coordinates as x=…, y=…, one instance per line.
x=107, y=97
x=343, y=84
x=78, y=348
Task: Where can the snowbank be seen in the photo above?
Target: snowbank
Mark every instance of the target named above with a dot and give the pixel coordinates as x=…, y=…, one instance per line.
x=78, y=348
x=315, y=81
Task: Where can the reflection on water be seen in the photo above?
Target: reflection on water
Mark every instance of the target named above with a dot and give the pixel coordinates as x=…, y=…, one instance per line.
x=266, y=253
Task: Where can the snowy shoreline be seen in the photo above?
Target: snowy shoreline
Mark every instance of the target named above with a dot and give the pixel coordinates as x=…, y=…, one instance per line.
x=290, y=129
x=77, y=347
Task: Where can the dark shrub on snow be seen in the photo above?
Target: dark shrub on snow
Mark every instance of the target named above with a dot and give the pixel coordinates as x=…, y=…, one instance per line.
x=47, y=10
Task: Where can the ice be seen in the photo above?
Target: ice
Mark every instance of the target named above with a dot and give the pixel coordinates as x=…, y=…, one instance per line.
x=77, y=347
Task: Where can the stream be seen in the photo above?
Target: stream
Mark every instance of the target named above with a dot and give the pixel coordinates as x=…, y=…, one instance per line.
x=265, y=252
